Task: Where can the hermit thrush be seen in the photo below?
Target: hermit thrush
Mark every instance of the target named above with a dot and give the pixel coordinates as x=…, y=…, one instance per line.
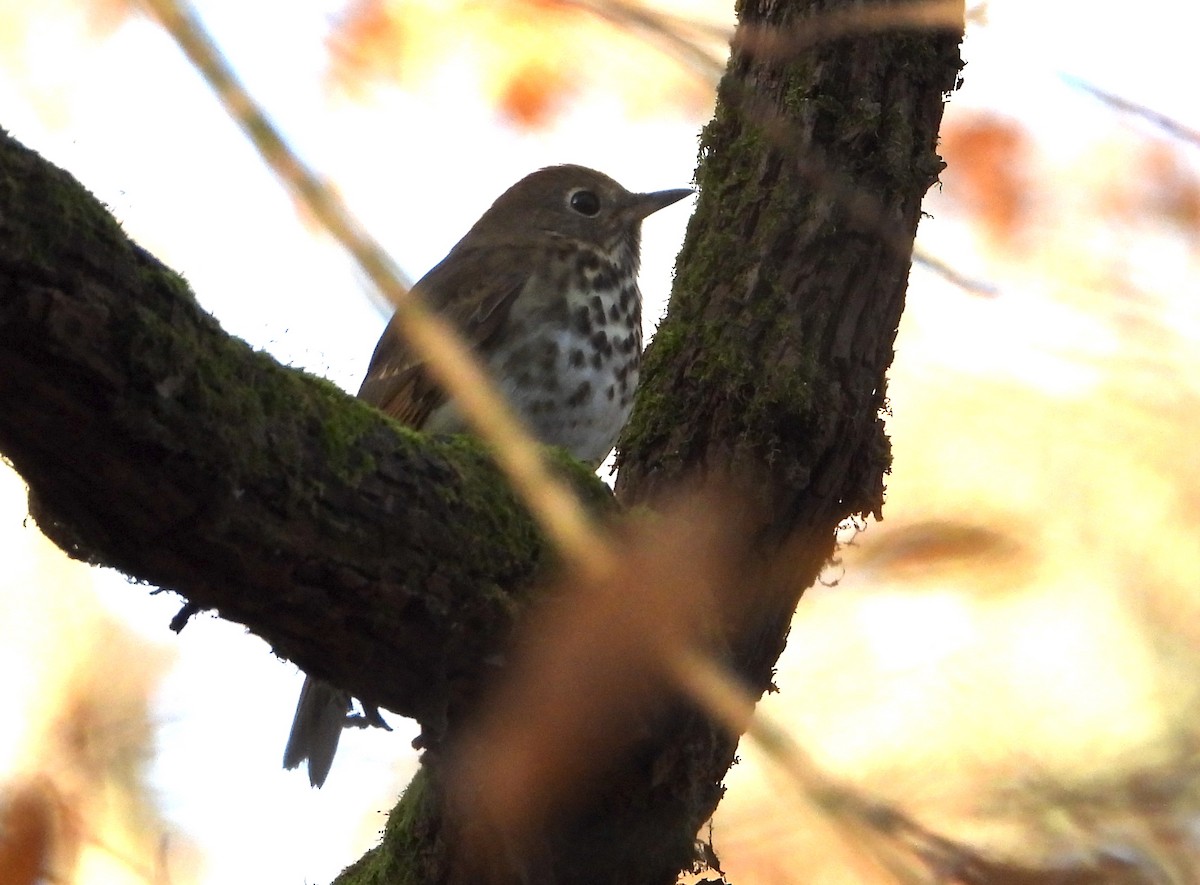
x=544, y=290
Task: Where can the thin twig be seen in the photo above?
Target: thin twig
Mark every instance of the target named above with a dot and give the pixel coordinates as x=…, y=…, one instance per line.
x=1169, y=125
x=667, y=30
x=552, y=503
x=946, y=272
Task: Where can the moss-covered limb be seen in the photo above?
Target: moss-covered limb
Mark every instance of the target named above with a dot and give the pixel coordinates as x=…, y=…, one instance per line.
x=788, y=291
x=410, y=852
x=155, y=443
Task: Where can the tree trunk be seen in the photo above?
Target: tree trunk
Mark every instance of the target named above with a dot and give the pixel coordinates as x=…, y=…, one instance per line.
x=395, y=566
x=771, y=363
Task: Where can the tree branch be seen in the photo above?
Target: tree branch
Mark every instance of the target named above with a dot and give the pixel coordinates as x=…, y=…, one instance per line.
x=154, y=443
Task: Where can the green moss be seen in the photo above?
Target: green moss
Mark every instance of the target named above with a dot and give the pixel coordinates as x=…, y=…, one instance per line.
x=493, y=502
x=341, y=427
x=177, y=354
x=61, y=218
x=402, y=857
x=797, y=95
x=756, y=207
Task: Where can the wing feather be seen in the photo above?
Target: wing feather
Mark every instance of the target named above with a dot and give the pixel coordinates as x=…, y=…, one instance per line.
x=476, y=296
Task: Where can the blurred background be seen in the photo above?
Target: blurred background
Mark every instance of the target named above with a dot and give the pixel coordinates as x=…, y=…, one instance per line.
x=1011, y=656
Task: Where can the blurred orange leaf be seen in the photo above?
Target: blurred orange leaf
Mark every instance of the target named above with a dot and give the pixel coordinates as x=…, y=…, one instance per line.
x=369, y=43
x=533, y=94
x=988, y=159
x=925, y=550
x=526, y=56
x=105, y=16
x=27, y=825
x=1170, y=186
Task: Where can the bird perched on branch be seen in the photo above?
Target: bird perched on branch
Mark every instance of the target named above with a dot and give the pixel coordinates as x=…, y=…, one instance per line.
x=544, y=290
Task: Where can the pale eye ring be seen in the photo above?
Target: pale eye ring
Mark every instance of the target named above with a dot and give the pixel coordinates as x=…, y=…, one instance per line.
x=584, y=202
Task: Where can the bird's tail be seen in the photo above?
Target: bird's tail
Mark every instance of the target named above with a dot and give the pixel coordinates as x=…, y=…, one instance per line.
x=320, y=716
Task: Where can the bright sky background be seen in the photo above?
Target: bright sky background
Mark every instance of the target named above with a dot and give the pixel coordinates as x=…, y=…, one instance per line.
x=135, y=125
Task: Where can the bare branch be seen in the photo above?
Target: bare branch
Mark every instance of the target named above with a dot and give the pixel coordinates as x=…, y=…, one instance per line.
x=1169, y=125
x=942, y=269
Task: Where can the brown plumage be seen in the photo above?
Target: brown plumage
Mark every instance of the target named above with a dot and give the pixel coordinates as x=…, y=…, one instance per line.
x=543, y=288
x=515, y=282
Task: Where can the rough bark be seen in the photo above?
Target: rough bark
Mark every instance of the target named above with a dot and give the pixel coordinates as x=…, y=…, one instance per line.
x=391, y=564
x=771, y=364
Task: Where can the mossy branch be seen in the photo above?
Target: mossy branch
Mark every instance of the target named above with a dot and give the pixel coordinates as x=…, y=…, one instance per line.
x=155, y=443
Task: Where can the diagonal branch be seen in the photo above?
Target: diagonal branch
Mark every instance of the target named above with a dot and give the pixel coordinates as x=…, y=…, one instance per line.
x=154, y=443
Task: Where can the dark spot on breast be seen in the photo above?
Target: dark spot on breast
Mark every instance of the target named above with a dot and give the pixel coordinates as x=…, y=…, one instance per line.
x=614, y=312
x=601, y=343
x=588, y=261
x=577, y=358
x=582, y=392
x=583, y=325
x=598, y=317
x=606, y=278
x=626, y=344
x=628, y=297
x=611, y=392
x=597, y=359
x=548, y=356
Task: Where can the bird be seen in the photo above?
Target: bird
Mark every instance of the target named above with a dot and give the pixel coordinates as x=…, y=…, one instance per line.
x=543, y=289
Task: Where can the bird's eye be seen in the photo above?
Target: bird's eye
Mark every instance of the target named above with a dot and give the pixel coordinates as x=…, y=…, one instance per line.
x=585, y=203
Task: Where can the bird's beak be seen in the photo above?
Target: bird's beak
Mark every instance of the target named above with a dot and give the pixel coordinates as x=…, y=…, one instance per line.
x=648, y=204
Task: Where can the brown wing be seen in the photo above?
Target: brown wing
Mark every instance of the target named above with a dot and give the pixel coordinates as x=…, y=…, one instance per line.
x=470, y=291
